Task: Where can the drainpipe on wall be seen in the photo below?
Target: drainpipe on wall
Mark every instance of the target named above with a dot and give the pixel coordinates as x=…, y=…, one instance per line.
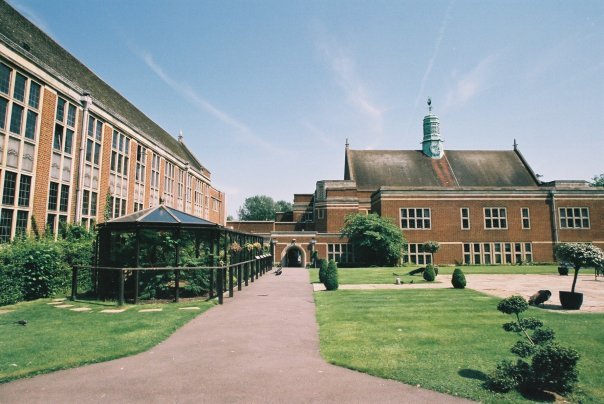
x=86, y=100
x=552, y=204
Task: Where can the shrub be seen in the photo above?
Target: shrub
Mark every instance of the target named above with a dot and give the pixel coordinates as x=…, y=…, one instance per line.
x=429, y=274
x=331, y=276
x=459, y=279
x=553, y=368
x=10, y=283
x=322, y=270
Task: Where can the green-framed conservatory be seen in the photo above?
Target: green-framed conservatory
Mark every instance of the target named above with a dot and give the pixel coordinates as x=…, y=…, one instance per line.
x=162, y=252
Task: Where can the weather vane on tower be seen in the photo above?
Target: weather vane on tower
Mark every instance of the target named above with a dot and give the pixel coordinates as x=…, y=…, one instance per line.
x=429, y=105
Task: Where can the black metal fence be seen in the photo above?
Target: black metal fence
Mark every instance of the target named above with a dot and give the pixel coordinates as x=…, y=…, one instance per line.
x=222, y=278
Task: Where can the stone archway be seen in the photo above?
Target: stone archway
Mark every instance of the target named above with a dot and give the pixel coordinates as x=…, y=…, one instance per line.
x=293, y=256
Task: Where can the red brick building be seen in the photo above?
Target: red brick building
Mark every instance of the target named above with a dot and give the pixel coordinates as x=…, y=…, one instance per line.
x=71, y=146
x=483, y=207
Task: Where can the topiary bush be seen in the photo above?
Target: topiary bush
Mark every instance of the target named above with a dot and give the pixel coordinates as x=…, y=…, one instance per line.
x=459, y=279
x=429, y=273
x=322, y=270
x=331, y=276
x=552, y=368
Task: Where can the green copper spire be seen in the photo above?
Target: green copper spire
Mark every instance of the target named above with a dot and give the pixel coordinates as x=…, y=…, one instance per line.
x=432, y=145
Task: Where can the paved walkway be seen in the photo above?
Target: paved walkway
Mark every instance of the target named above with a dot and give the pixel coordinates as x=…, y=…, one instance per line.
x=508, y=285
x=260, y=347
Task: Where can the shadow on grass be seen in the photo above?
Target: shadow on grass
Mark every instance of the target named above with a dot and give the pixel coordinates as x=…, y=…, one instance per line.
x=473, y=374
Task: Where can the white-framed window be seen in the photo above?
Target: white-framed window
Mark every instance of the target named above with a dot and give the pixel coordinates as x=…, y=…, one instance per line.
x=526, y=218
x=320, y=214
x=140, y=171
x=497, y=253
x=154, y=185
x=118, y=173
x=495, y=218
x=574, y=218
x=180, y=190
x=92, y=164
x=189, y=191
x=198, y=197
x=465, y=218
x=416, y=218
x=342, y=253
x=169, y=184
x=417, y=255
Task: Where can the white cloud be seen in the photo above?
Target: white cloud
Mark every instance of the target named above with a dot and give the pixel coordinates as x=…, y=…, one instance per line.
x=344, y=68
x=472, y=83
x=185, y=90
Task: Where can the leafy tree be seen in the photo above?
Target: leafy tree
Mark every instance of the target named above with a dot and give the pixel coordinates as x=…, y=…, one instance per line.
x=598, y=181
x=376, y=240
x=579, y=255
x=262, y=207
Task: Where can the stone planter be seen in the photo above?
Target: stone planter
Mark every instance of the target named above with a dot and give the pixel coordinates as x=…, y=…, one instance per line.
x=571, y=300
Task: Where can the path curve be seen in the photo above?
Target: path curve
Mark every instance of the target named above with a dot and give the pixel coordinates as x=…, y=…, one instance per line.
x=260, y=347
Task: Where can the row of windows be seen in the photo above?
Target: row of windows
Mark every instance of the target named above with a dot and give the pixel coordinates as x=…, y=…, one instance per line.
x=497, y=253
x=21, y=103
x=494, y=218
x=8, y=217
x=9, y=189
x=340, y=253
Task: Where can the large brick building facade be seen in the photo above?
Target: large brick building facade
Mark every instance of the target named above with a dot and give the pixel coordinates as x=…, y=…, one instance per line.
x=72, y=148
x=483, y=207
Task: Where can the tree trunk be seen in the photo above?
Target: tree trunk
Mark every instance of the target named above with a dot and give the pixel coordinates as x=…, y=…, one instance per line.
x=575, y=279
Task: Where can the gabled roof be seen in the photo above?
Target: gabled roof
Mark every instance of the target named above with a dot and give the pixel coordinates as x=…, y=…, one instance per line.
x=25, y=38
x=162, y=215
x=372, y=169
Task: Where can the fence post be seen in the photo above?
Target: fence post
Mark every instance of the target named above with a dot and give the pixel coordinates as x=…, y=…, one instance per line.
x=121, y=288
x=257, y=268
x=211, y=292
x=246, y=271
x=136, y=282
x=252, y=270
x=74, y=282
x=176, y=285
x=219, y=285
x=239, y=276
x=230, y=281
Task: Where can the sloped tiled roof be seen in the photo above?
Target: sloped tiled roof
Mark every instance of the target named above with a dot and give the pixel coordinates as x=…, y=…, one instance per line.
x=372, y=169
x=21, y=35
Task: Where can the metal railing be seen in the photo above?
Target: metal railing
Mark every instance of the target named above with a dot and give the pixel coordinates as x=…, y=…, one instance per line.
x=222, y=277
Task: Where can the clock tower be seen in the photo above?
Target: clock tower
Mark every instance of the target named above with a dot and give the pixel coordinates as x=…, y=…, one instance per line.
x=432, y=145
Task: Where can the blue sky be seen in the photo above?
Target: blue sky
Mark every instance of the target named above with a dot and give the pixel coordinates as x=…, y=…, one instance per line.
x=267, y=92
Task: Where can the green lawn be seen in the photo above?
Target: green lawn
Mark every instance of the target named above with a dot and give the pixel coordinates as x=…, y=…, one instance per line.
x=57, y=338
x=359, y=276
x=444, y=339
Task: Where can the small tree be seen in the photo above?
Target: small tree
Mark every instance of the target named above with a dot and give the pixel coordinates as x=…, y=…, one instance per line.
x=322, y=270
x=377, y=240
x=579, y=255
x=331, y=276
x=552, y=368
x=431, y=247
x=598, y=181
x=459, y=279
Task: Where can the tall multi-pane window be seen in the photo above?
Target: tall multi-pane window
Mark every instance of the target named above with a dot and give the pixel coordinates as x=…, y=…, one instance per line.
x=169, y=184
x=417, y=255
x=497, y=253
x=574, y=218
x=118, y=173
x=198, y=197
x=19, y=126
x=495, y=218
x=465, y=218
x=92, y=166
x=341, y=253
x=180, y=185
x=63, y=153
x=188, y=191
x=526, y=218
x=139, y=178
x=416, y=218
x=154, y=183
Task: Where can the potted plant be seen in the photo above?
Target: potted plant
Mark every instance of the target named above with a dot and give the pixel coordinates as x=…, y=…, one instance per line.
x=578, y=255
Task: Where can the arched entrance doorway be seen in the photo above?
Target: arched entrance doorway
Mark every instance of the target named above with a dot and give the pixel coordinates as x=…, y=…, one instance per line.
x=294, y=257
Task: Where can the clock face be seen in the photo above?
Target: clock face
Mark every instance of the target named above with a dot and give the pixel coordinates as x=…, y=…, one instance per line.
x=435, y=148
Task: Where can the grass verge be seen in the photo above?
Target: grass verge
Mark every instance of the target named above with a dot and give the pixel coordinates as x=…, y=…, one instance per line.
x=59, y=338
x=444, y=339
x=361, y=276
